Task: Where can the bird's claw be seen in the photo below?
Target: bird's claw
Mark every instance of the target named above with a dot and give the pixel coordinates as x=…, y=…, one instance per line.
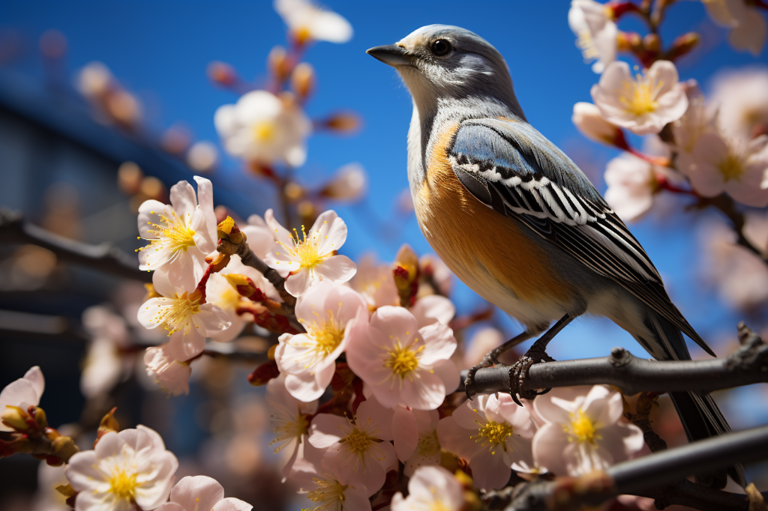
x=490, y=359
x=518, y=372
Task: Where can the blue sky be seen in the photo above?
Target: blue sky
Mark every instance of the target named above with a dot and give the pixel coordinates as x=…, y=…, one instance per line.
x=160, y=51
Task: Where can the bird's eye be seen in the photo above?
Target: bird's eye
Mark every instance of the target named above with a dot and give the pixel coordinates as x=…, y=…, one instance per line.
x=441, y=47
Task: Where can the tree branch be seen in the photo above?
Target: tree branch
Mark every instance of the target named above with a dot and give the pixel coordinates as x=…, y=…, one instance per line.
x=631, y=374
x=104, y=257
x=659, y=476
x=727, y=206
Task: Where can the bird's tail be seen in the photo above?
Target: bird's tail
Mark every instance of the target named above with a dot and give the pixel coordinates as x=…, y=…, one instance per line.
x=699, y=413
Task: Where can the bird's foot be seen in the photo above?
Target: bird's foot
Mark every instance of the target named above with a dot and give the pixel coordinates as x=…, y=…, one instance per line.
x=518, y=372
x=490, y=359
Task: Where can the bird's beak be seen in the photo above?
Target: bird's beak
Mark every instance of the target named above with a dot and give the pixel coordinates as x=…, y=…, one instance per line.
x=392, y=55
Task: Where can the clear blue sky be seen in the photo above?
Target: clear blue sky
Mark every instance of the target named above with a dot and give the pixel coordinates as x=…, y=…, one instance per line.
x=160, y=50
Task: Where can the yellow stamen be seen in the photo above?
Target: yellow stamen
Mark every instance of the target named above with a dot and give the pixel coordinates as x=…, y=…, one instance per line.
x=178, y=314
x=639, y=95
x=307, y=249
x=330, y=494
x=582, y=429
x=494, y=434
x=263, y=131
x=403, y=359
x=172, y=233
x=123, y=485
x=287, y=430
x=731, y=167
x=429, y=444
x=358, y=442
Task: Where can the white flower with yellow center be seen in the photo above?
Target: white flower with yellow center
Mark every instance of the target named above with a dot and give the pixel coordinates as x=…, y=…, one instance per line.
x=582, y=431
x=416, y=440
x=308, y=21
x=265, y=129
x=181, y=234
x=23, y=393
x=737, y=167
x=359, y=451
x=593, y=24
x=493, y=434
x=327, y=490
x=290, y=419
x=402, y=364
x=201, y=493
x=431, y=489
x=185, y=314
x=126, y=469
x=643, y=103
x=309, y=360
x=309, y=257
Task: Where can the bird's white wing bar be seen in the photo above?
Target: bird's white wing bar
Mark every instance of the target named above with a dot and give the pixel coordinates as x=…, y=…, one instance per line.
x=512, y=168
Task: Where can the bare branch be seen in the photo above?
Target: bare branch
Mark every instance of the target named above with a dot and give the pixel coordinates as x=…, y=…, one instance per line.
x=104, y=257
x=727, y=206
x=631, y=374
x=659, y=476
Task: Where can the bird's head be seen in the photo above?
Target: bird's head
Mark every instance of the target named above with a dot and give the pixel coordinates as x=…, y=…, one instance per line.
x=443, y=61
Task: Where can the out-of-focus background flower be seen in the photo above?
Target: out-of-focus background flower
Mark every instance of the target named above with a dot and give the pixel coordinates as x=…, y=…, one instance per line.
x=104, y=105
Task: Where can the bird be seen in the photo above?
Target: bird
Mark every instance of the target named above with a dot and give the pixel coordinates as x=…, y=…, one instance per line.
x=518, y=222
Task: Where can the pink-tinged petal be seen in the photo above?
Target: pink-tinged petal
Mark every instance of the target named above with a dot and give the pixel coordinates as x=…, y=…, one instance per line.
x=326, y=430
x=170, y=506
x=82, y=470
x=395, y=323
x=406, y=432
x=205, y=203
x=621, y=440
x=186, y=346
x=310, y=307
x=433, y=308
x=211, y=319
x=750, y=34
x=455, y=439
x=710, y=147
x=334, y=236
x=470, y=413
x=344, y=302
x=517, y=416
x=89, y=501
x=426, y=392
x=324, y=374
x=706, y=179
x=488, y=470
x=303, y=387
x=436, y=484
x=356, y=499
x=664, y=74
x=149, y=216
x=197, y=492
x=399, y=503
x=450, y=376
x=35, y=377
x=168, y=285
x=338, y=269
x=371, y=474
x=232, y=504
x=183, y=200
x=426, y=420
x=558, y=404
x=259, y=236
x=519, y=454
x=439, y=344
x=280, y=233
x=375, y=419
x=549, y=444
x=148, y=314
x=417, y=461
x=603, y=406
x=299, y=283
x=323, y=223
x=19, y=393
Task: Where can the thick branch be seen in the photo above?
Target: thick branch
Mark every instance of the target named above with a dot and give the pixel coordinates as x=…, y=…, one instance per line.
x=631, y=374
x=104, y=257
x=659, y=476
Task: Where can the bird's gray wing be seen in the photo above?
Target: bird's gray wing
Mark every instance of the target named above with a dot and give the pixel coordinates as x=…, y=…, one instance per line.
x=511, y=167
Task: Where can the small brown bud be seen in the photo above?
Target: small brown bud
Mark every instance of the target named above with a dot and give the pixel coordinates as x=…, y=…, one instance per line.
x=278, y=63
x=343, y=122
x=129, y=176
x=683, y=45
x=652, y=43
x=303, y=80
x=64, y=447
x=222, y=73
x=108, y=424
x=262, y=374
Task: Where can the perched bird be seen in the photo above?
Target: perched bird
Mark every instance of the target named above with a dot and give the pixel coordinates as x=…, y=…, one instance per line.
x=519, y=223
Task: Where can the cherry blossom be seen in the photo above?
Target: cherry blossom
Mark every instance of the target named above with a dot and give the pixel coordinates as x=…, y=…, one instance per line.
x=126, y=469
x=593, y=24
x=589, y=121
x=323, y=485
x=307, y=259
x=165, y=367
x=431, y=309
x=22, y=393
x=103, y=366
x=186, y=313
x=260, y=237
x=264, y=129
x=375, y=282
x=360, y=450
x=349, y=183
x=290, y=418
x=582, y=430
x=720, y=164
x=201, y=493
x=307, y=22
x=416, y=440
x=483, y=341
x=696, y=121
x=740, y=99
x=181, y=234
x=747, y=26
x=632, y=184
x=494, y=434
x=402, y=364
x=309, y=359
x=644, y=103
x=432, y=488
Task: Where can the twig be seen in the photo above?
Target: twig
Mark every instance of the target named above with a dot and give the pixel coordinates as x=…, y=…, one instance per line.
x=104, y=257
x=631, y=374
x=658, y=476
x=727, y=206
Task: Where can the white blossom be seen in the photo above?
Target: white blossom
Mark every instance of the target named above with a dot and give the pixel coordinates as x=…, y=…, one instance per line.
x=593, y=24
x=308, y=21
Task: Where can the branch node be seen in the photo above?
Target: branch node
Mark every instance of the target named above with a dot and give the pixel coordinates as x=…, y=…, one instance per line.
x=620, y=357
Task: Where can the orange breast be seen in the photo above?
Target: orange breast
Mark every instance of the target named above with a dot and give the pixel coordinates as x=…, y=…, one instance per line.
x=486, y=250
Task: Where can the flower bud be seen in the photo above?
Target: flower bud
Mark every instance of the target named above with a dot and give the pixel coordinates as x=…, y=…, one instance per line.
x=222, y=73
x=175, y=140
x=129, y=177
x=16, y=418
x=652, y=43
x=153, y=188
x=406, y=273
x=151, y=293
x=303, y=80
x=245, y=286
x=278, y=63
x=64, y=447
x=349, y=183
x=307, y=212
x=229, y=230
x=682, y=45
x=587, y=119
x=40, y=418
x=124, y=108
x=293, y=192
x=203, y=156
x=343, y=122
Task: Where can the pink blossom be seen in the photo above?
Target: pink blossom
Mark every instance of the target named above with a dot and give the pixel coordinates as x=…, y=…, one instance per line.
x=737, y=167
x=323, y=485
x=169, y=364
x=593, y=24
x=416, y=440
x=482, y=342
x=433, y=309
x=632, y=184
x=643, y=104
x=181, y=234
x=360, y=450
x=290, y=418
x=375, y=282
x=582, y=430
x=309, y=360
x=310, y=257
x=201, y=493
x=432, y=488
x=259, y=236
x=402, y=364
x=23, y=393
x=740, y=99
x=494, y=434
